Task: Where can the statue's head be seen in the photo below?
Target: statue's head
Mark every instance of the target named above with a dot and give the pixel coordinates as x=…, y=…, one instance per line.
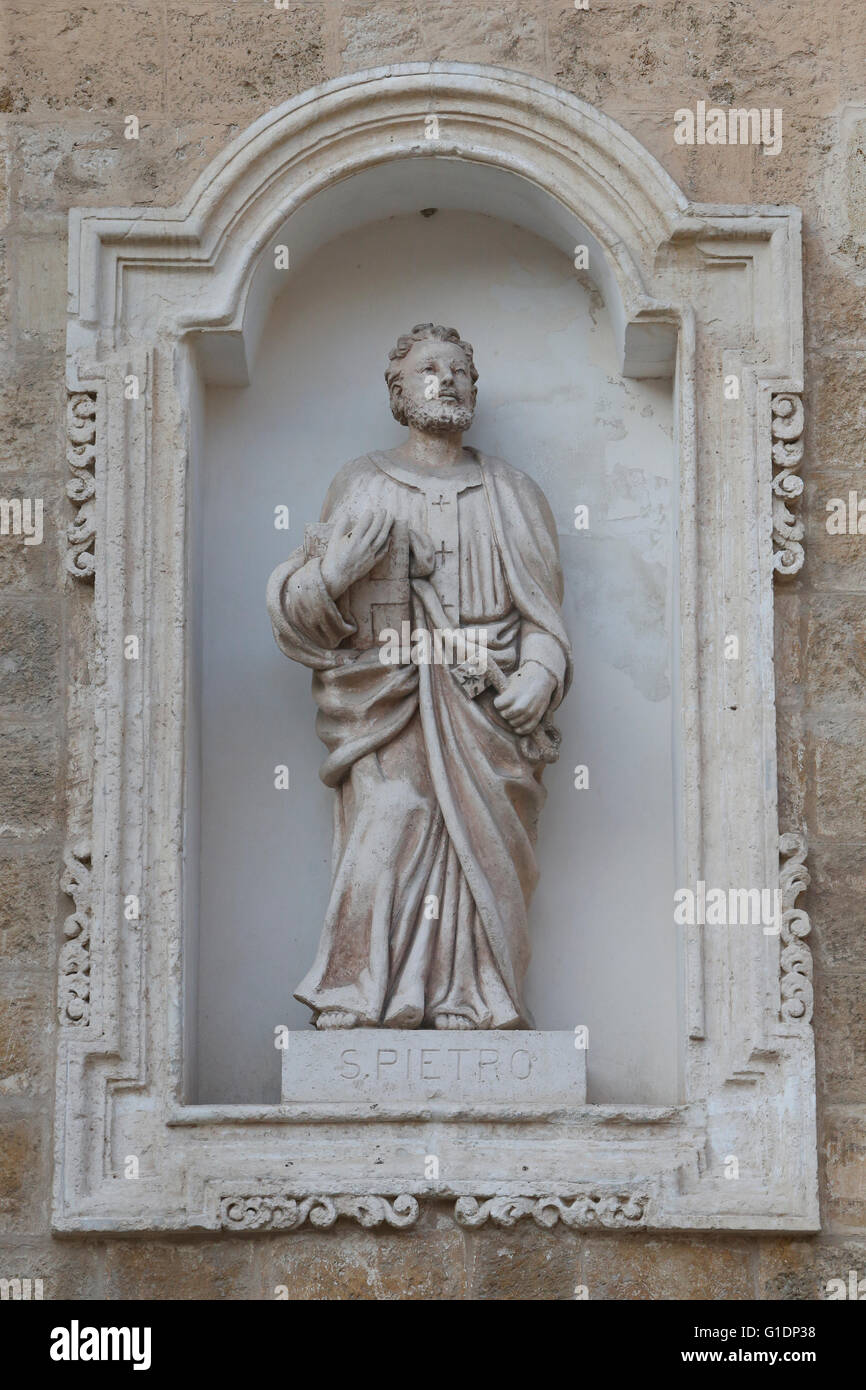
x=431, y=380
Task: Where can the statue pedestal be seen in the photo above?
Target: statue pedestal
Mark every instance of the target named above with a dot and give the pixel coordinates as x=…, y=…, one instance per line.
x=409, y=1069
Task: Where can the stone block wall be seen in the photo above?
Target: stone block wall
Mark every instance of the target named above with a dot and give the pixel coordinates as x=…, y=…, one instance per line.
x=195, y=73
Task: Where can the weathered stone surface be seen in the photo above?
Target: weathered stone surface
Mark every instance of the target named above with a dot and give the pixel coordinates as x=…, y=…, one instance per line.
x=772, y=55
x=844, y=1152
x=852, y=51
x=854, y=154
x=239, y=60
x=23, y=1172
x=799, y=1270
x=836, y=422
x=639, y=1268
x=838, y=745
x=834, y=309
x=29, y=655
x=836, y=650
x=424, y=1264
x=791, y=754
x=32, y=406
x=583, y=56
x=68, y=1269
x=372, y=34
x=5, y=173
x=677, y=53
x=836, y=562
x=839, y=889
x=29, y=877
x=840, y=1034
x=85, y=57
x=29, y=799
x=525, y=1264
x=59, y=167
x=798, y=173
x=788, y=639
x=5, y=316
x=505, y=33
x=32, y=568
x=730, y=173
x=40, y=301
x=26, y=1017
x=173, y=1269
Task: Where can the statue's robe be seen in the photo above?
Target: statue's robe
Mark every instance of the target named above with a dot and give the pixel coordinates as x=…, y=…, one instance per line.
x=437, y=806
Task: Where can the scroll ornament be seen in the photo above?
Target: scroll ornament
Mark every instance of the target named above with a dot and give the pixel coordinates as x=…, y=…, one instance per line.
x=796, y=958
x=73, y=991
x=788, y=531
x=81, y=487
x=618, y=1211
x=282, y=1212
x=276, y=1212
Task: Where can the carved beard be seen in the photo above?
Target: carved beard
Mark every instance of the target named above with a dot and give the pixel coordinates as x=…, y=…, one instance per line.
x=437, y=416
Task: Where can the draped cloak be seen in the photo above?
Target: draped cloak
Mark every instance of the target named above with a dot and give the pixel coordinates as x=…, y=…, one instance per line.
x=437, y=806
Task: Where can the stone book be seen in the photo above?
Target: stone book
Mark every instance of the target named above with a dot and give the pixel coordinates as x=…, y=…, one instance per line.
x=382, y=599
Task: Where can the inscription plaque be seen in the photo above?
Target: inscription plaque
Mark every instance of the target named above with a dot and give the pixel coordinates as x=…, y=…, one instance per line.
x=499, y=1067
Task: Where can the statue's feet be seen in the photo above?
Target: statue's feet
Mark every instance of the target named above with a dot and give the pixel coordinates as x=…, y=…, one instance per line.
x=337, y=1018
x=452, y=1021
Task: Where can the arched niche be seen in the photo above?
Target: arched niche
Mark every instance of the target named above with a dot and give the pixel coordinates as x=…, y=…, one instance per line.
x=168, y=303
x=405, y=185
x=553, y=400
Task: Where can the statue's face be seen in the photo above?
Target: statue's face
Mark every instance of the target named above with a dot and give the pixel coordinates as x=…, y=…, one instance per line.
x=436, y=387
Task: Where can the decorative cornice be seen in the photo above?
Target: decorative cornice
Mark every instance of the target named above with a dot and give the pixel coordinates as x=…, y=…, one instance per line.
x=322, y=132
x=282, y=1212
x=81, y=488
x=787, y=427
x=620, y=1210
x=796, y=958
x=73, y=988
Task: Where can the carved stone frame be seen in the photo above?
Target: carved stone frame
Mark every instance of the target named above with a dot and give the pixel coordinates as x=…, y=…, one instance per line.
x=170, y=296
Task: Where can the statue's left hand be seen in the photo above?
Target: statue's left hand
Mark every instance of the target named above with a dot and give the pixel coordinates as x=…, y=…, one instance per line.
x=525, y=699
x=423, y=554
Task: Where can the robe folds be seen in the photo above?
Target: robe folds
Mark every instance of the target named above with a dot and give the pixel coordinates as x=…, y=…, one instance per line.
x=437, y=806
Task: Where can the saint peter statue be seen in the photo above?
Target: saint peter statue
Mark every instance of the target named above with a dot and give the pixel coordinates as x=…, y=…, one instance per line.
x=438, y=779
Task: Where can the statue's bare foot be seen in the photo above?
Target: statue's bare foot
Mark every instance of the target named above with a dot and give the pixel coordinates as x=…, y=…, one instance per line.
x=451, y=1021
x=337, y=1018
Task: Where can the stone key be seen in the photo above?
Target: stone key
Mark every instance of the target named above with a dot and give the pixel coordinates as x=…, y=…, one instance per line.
x=476, y=674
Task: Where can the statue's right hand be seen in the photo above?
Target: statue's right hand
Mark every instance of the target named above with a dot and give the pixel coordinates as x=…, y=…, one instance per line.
x=354, y=549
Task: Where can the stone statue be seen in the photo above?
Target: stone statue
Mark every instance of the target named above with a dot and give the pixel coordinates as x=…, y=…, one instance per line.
x=436, y=764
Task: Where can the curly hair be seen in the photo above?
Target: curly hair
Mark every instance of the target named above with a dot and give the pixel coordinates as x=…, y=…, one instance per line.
x=405, y=342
